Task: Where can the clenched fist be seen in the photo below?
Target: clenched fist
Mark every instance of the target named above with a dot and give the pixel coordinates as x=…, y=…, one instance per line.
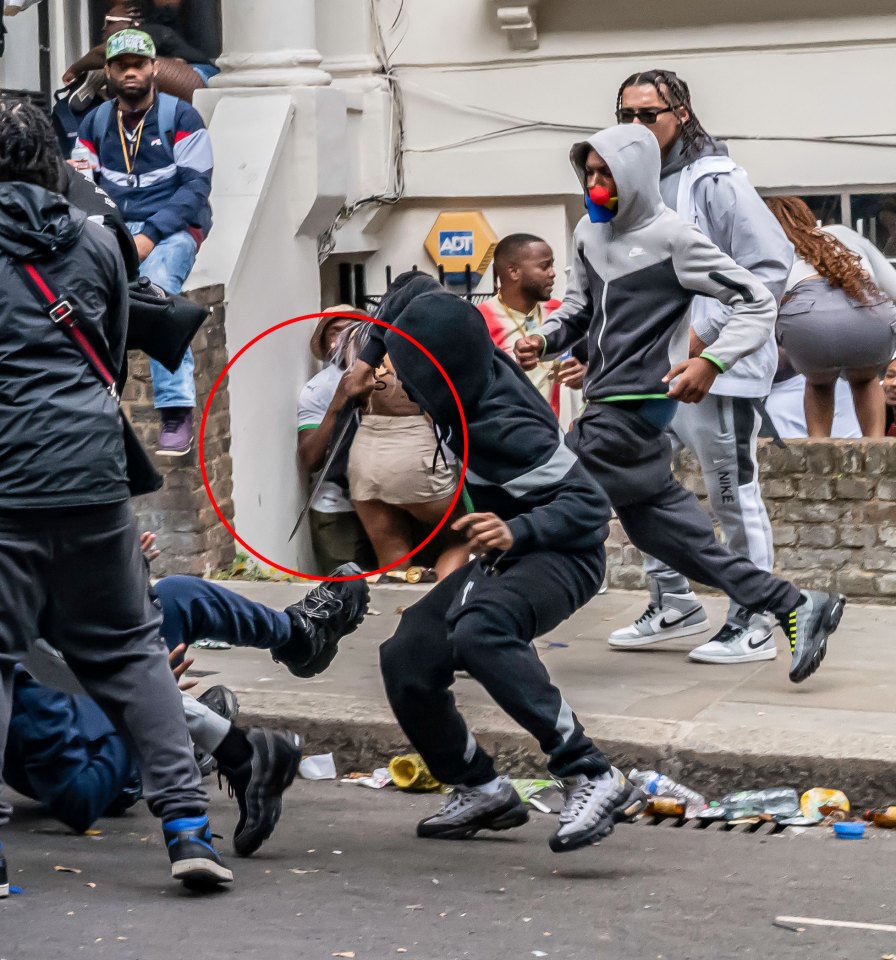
x=528, y=351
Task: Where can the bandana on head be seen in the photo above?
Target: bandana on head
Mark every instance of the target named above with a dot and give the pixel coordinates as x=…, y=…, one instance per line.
x=600, y=205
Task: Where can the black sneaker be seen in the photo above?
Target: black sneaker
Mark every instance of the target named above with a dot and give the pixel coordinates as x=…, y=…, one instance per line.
x=259, y=783
x=222, y=700
x=4, y=875
x=808, y=627
x=328, y=613
x=194, y=860
x=594, y=805
x=467, y=810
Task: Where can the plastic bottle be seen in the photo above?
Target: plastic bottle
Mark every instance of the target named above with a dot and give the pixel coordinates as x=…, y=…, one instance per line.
x=659, y=785
x=81, y=160
x=779, y=802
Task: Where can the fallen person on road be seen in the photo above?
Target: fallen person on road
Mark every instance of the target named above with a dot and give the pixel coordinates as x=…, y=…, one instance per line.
x=64, y=753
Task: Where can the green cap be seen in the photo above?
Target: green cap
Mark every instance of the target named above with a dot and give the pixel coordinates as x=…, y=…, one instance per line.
x=135, y=42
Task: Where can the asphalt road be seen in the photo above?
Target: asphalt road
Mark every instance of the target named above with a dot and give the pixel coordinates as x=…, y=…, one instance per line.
x=344, y=875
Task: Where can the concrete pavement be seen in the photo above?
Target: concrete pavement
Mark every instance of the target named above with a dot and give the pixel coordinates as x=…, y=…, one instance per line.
x=717, y=728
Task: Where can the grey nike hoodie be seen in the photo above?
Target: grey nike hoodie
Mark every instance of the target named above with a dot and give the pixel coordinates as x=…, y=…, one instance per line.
x=634, y=277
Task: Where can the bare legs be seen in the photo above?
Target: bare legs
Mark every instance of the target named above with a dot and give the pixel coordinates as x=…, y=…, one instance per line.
x=390, y=529
x=867, y=398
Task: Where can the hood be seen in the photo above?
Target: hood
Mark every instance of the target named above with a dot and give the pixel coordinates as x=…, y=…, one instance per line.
x=678, y=158
x=405, y=287
x=35, y=222
x=457, y=336
x=633, y=156
x=501, y=406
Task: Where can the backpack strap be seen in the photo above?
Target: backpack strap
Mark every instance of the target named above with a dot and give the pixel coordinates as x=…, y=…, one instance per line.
x=167, y=110
x=99, y=124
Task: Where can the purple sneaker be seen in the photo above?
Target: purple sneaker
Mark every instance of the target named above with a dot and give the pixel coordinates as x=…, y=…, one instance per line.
x=176, y=434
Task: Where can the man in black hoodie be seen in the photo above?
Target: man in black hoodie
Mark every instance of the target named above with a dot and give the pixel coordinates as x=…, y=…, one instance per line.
x=71, y=568
x=538, y=530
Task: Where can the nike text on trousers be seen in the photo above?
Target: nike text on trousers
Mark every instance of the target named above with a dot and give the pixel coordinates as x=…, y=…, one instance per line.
x=721, y=432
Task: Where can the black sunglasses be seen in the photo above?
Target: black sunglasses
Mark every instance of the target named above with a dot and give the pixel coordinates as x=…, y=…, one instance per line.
x=646, y=115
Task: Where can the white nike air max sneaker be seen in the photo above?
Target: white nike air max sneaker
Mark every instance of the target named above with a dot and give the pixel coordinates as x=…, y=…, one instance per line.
x=739, y=641
x=669, y=617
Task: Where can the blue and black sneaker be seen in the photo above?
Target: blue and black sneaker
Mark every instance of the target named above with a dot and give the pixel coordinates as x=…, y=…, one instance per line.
x=4, y=875
x=193, y=858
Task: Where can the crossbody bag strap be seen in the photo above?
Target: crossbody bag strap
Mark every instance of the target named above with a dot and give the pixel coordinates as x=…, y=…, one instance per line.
x=64, y=314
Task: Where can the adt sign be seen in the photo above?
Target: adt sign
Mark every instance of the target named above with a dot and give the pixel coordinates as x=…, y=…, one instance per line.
x=456, y=243
x=461, y=240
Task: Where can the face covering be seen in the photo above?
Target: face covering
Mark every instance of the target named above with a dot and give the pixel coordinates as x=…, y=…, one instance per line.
x=600, y=205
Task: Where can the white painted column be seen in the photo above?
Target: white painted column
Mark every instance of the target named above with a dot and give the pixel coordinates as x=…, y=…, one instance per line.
x=270, y=44
x=279, y=134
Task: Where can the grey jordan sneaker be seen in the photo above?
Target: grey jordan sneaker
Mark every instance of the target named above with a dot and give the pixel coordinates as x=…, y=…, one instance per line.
x=668, y=616
x=594, y=805
x=742, y=639
x=808, y=627
x=467, y=810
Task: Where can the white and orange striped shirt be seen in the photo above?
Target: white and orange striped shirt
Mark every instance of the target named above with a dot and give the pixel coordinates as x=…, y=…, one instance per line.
x=507, y=325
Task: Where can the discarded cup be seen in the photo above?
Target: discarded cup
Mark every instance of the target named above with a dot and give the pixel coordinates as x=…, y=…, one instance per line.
x=409, y=772
x=319, y=767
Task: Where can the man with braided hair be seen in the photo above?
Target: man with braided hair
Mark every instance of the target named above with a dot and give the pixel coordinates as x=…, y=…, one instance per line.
x=704, y=186
x=71, y=568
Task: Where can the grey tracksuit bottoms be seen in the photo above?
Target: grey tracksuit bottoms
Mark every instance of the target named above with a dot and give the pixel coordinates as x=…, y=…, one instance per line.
x=484, y=623
x=76, y=577
x=721, y=432
x=632, y=460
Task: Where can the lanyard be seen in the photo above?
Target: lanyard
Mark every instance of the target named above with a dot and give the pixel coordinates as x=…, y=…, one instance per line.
x=520, y=328
x=130, y=147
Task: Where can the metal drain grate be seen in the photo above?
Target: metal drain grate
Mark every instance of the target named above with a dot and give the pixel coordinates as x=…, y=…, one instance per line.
x=764, y=828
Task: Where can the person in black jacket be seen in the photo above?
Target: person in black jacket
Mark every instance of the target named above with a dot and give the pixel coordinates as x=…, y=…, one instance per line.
x=538, y=529
x=71, y=568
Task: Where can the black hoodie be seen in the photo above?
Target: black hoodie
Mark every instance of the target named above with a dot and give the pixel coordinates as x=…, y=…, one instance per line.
x=61, y=443
x=519, y=467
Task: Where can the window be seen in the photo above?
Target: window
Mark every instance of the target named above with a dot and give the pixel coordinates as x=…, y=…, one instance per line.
x=874, y=216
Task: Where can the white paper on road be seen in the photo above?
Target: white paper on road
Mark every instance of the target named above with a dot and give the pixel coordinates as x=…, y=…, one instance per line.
x=852, y=924
x=320, y=767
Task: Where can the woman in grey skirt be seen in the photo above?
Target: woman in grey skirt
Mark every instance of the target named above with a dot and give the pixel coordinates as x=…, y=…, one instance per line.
x=837, y=317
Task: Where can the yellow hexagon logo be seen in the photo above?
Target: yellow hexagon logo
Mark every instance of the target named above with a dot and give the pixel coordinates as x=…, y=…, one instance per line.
x=459, y=238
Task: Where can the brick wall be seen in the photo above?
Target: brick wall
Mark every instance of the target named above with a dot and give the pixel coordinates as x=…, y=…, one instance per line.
x=189, y=534
x=833, y=510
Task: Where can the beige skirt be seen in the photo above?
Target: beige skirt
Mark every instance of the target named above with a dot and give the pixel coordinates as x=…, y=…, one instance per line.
x=391, y=460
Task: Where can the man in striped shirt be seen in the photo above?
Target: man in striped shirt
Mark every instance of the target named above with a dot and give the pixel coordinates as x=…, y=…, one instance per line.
x=152, y=155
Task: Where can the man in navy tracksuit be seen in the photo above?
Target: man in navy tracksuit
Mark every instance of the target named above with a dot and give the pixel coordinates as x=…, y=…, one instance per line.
x=538, y=529
x=153, y=157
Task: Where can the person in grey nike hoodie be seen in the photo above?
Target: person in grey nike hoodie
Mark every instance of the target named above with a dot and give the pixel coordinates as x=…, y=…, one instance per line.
x=637, y=268
x=706, y=187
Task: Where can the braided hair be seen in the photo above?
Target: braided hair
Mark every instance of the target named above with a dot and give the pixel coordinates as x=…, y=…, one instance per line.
x=674, y=92
x=831, y=258
x=28, y=149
